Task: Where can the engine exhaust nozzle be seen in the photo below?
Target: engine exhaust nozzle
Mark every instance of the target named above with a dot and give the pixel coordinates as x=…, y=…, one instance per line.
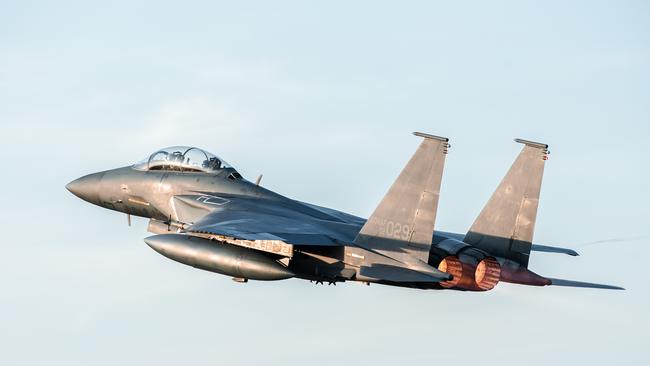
x=452, y=265
x=487, y=274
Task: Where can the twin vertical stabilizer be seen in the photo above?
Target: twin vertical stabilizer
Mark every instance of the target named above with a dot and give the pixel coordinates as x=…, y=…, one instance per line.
x=506, y=225
x=401, y=227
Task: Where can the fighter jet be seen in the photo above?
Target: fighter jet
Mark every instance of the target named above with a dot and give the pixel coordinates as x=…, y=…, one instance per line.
x=206, y=215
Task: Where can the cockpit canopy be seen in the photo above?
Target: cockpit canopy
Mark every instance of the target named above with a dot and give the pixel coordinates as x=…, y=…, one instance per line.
x=183, y=159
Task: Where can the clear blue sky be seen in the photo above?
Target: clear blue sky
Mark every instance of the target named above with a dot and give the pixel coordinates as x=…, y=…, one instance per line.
x=321, y=97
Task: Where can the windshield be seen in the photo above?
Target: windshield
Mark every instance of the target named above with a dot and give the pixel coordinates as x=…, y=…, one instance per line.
x=182, y=158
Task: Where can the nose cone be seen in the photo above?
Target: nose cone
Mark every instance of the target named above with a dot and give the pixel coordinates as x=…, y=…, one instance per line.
x=87, y=187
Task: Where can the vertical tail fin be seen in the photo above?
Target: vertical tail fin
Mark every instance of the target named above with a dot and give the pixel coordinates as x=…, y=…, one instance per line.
x=404, y=220
x=506, y=225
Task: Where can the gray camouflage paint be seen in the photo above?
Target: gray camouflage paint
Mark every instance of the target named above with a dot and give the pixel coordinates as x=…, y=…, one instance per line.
x=220, y=222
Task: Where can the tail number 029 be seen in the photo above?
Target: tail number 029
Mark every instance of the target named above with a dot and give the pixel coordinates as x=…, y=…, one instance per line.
x=397, y=230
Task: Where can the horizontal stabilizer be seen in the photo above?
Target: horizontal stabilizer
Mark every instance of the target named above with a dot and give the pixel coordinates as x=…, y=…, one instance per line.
x=569, y=283
x=550, y=249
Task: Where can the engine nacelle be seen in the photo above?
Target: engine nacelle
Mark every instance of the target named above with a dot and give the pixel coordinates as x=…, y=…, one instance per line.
x=472, y=268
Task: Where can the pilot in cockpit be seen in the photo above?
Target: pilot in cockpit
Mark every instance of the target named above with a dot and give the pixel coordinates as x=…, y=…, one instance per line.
x=212, y=163
x=183, y=159
x=177, y=156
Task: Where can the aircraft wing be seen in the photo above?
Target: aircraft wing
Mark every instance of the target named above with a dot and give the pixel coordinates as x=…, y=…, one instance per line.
x=249, y=219
x=260, y=226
